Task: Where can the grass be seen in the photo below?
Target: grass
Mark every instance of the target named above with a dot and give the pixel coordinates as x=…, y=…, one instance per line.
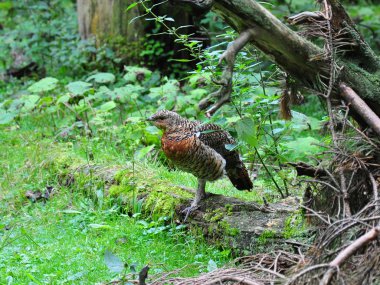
x=64, y=239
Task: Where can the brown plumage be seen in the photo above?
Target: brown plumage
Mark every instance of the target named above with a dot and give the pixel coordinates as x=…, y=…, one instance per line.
x=200, y=149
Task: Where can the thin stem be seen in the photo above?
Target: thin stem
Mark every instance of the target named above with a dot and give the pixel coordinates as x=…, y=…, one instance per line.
x=270, y=174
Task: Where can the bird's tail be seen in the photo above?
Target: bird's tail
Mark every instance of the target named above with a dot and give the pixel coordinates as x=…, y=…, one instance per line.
x=240, y=178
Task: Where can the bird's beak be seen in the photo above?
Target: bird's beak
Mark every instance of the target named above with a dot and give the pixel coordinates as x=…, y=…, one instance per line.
x=150, y=119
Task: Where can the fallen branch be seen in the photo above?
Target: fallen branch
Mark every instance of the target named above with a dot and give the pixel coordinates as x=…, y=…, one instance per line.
x=241, y=280
x=308, y=170
x=348, y=252
x=360, y=107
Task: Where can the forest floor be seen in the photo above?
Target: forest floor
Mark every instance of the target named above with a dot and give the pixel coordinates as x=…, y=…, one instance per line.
x=63, y=238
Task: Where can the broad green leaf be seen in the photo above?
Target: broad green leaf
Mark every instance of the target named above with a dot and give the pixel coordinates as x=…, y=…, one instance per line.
x=99, y=226
x=46, y=101
x=103, y=93
x=302, y=122
x=44, y=85
x=230, y=147
x=29, y=102
x=102, y=77
x=78, y=87
x=134, y=73
x=7, y=5
x=199, y=93
x=144, y=151
x=246, y=131
x=169, y=90
x=301, y=148
x=108, y=106
x=211, y=266
x=113, y=262
x=63, y=99
x=200, y=79
x=129, y=91
x=6, y=118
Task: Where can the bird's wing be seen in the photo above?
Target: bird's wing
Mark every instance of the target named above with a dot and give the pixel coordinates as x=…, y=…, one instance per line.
x=216, y=138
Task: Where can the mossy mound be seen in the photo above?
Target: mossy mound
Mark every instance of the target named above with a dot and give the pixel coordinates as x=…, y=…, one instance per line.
x=242, y=227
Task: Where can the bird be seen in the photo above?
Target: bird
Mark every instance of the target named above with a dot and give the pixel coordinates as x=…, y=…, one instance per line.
x=200, y=149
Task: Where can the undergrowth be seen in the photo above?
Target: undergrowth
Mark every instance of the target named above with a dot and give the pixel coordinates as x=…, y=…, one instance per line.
x=69, y=115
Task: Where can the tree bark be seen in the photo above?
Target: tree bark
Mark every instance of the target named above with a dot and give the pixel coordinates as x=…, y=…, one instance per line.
x=299, y=57
x=108, y=18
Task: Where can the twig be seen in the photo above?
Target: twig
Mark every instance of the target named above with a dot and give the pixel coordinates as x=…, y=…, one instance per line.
x=374, y=188
x=306, y=270
x=316, y=214
x=348, y=252
x=241, y=280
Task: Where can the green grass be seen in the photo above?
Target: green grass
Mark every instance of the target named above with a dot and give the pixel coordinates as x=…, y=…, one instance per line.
x=48, y=244
x=64, y=239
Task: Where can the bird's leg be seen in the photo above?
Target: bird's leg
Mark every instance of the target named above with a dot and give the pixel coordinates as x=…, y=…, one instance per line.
x=199, y=196
x=224, y=93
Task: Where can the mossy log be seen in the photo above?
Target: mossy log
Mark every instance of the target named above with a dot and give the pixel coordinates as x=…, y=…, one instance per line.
x=244, y=227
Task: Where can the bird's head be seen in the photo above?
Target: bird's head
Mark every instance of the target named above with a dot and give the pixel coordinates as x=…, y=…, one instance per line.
x=165, y=119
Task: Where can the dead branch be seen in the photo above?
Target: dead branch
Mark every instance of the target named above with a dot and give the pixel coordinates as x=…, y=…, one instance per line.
x=308, y=170
x=241, y=280
x=374, y=188
x=224, y=93
x=360, y=107
x=348, y=252
x=305, y=271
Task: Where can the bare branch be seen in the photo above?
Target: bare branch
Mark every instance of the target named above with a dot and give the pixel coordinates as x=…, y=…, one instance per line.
x=360, y=107
x=348, y=252
x=224, y=93
x=241, y=280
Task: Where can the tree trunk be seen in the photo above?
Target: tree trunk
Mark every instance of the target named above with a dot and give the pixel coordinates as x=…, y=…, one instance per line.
x=104, y=19
x=109, y=23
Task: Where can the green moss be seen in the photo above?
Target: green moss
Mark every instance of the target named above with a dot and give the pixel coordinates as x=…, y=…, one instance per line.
x=294, y=226
x=229, y=208
x=62, y=162
x=119, y=190
x=214, y=216
x=228, y=229
x=163, y=199
x=123, y=177
x=266, y=237
x=160, y=203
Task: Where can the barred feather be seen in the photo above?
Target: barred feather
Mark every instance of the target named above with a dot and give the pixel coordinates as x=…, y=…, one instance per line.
x=200, y=149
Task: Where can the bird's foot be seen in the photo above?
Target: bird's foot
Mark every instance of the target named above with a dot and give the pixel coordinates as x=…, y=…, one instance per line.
x=189, y=210
x=194, y=205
